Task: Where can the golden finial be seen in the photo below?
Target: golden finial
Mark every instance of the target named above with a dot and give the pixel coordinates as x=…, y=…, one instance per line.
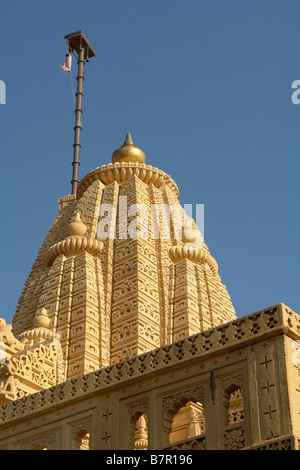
x=128, y=152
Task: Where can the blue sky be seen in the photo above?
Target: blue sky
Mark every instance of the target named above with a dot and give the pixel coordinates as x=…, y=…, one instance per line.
x=205, y=89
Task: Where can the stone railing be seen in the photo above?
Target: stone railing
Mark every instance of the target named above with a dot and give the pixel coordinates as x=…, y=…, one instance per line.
x=236, y=334
x=282, y=443
x=192, y=443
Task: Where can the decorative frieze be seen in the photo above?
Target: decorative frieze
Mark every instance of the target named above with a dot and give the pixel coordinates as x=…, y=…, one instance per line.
x=120, y=172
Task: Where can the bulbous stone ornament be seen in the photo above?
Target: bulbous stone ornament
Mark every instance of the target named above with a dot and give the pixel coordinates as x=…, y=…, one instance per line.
x=76, y=227
x=41, y=319
x=189, y=235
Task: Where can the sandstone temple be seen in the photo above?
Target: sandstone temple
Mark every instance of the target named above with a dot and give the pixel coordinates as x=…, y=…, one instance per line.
x=125, y=337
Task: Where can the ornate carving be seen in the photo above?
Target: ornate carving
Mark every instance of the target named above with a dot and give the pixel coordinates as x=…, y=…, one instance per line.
x=123, y=171
x=286, y=443
x=37, y=364
x=141, y=433
x=74, y=245
x=193, y=443
x=44, y=441
x=232, y=381
x=234, y=438
x=180, y=252
x=141, y=408
x=7, y=336
x=156, y=360
x=81, y=425
x=175, y=400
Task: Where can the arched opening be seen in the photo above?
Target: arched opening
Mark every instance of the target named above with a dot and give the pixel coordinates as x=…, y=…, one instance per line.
x=189, y=421
x=81, y=440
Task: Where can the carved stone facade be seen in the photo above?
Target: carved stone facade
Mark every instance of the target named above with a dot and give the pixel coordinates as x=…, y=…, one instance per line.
x=107, y=404
x=131, y=342
x=114, y=296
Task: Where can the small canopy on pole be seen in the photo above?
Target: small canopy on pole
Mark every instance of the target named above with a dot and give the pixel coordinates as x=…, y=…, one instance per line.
x=78, y=40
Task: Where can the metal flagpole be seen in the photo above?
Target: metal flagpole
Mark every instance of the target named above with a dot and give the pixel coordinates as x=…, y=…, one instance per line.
x=85, y=51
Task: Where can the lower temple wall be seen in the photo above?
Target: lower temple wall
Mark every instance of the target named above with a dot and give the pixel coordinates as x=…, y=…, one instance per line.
x=106, y=404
